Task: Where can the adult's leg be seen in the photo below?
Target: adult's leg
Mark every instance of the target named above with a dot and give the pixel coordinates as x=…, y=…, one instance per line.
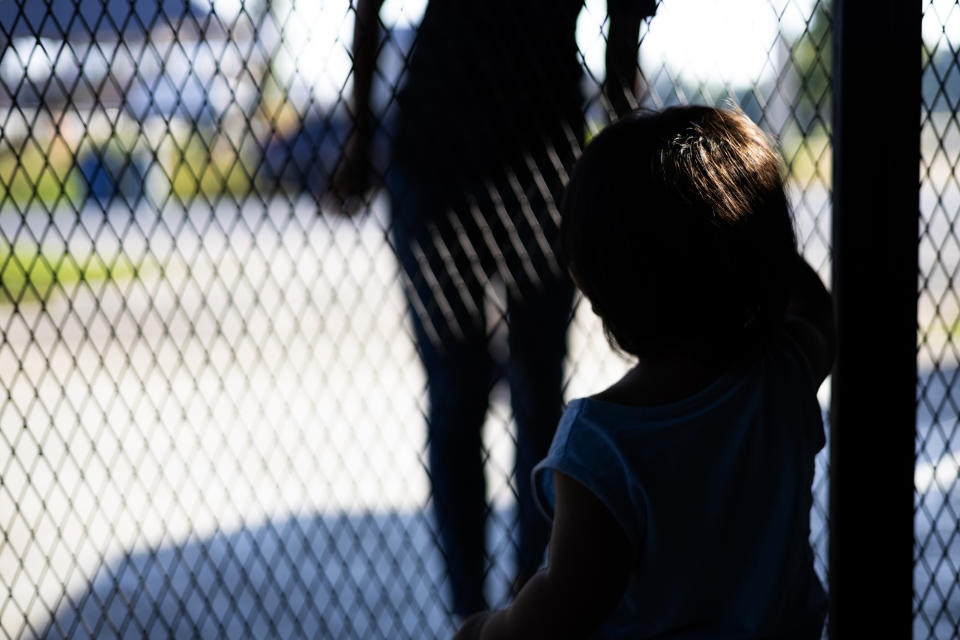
x=446, y=308
x=538, y=313
x=538, y=324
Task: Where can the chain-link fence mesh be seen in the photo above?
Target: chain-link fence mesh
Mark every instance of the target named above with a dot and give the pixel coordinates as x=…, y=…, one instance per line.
x=212, y=420
x=937, y=554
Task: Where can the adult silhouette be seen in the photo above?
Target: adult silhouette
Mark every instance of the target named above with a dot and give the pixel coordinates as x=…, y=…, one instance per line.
x=489, y=121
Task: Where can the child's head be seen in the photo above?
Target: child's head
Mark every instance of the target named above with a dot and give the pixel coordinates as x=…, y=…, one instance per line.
x=677, y=229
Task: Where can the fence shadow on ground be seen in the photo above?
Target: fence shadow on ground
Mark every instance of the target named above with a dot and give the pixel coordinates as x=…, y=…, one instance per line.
x=367, y=575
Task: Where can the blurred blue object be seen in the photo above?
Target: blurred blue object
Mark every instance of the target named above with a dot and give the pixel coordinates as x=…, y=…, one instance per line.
x=85, y=19
x=109, y=174
x=304, y=159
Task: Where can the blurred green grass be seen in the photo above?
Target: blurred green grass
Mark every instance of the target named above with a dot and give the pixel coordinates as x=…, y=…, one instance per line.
x=52, y=178
x=808, y=158
x=30, y=273
x=35, y=176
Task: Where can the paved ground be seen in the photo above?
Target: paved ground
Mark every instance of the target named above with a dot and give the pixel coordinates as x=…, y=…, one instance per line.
x=258, y=373
x=233, y=443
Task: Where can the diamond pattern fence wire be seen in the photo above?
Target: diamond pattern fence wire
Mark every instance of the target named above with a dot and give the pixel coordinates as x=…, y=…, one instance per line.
x=212, y=420
x=937, y=554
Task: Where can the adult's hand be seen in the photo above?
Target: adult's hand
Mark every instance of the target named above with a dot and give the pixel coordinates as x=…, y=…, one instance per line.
x=623, y=86
x=352, y=177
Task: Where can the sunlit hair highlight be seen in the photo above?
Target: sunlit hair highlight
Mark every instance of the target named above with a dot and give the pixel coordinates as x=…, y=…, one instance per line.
x=676, y=227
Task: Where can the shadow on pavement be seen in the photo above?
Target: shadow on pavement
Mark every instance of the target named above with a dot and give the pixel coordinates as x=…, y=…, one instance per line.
x=369, y=575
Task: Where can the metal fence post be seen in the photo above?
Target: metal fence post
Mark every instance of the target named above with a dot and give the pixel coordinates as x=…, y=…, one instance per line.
x=876, y=74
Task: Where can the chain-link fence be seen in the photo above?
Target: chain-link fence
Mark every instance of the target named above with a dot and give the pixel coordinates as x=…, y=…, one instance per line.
x=213, y=412
x=937, y=555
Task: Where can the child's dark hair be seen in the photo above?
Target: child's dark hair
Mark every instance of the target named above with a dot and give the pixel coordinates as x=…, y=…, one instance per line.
x=676, y=227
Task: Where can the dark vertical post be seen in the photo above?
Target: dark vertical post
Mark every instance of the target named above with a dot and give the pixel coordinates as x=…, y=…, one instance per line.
x=876, y=127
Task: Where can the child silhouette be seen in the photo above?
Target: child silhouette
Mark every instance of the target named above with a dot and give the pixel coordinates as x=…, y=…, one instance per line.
x=680, y=496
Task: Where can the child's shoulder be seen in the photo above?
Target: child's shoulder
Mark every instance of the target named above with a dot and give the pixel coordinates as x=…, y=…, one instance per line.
x=661, y=381
x=678, y=378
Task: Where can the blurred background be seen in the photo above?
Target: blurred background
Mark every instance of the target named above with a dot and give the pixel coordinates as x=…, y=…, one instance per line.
x=211, y=419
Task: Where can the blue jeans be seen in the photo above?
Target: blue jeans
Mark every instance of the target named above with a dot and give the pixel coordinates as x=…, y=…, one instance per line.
x=449, y=248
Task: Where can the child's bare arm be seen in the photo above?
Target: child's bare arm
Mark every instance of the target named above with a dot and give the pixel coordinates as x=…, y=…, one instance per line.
x=584, y=581
x=810, y=319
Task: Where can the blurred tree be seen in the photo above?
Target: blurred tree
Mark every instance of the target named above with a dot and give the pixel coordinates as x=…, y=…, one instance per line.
x=811, y=58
